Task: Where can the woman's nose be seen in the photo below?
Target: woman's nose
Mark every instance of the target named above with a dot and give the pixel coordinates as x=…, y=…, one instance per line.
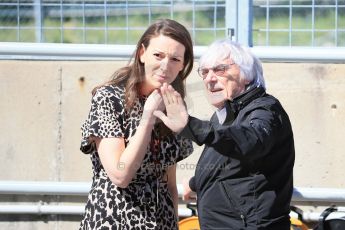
x=163, y=64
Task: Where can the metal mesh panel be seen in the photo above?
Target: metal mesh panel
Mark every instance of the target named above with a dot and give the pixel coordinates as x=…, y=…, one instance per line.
x=299, y=22
x=105, y=21
x=275, y=22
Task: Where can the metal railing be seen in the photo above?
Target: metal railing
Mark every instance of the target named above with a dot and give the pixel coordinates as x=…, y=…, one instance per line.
x=331, y=195
x=48, y=51
x=310, y=195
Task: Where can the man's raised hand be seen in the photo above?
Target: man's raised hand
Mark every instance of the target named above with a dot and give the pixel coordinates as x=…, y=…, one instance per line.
x=176, y=116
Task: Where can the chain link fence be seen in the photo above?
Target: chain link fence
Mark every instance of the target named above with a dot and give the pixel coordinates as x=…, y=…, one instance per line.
x=270, y=22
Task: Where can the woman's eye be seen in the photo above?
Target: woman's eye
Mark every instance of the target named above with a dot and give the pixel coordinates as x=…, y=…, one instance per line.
x=176, y=59
x=158, y=55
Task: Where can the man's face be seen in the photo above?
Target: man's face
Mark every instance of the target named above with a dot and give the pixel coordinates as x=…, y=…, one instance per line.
x=222, y=81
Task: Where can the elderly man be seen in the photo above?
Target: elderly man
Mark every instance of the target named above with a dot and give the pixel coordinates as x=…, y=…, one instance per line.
x=244, y=177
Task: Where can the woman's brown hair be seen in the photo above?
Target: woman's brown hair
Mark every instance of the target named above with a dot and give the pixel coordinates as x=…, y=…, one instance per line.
x=133, y=74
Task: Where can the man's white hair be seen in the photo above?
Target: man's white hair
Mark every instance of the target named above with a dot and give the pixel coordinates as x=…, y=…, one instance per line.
x=250, y=66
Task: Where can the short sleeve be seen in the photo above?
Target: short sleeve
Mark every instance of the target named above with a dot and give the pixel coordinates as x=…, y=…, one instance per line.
x=186, y=147
x=105, y=118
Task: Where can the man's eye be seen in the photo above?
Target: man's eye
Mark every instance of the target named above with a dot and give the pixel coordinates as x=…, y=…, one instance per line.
x=204, y=71
x=219, y=68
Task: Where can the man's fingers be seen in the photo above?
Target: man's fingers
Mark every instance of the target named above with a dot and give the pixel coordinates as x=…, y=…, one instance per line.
x=178, y=98
x=164, y=93
x=169, y=95
x=176, y=94
x=172, y=92
x=165, y=98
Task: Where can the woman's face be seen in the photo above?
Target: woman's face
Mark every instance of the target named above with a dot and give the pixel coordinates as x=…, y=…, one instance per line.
x=163, y=60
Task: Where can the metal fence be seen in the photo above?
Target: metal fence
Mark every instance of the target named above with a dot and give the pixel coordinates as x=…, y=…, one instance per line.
x=301, y=196
x=253, y=22
x=299, y=22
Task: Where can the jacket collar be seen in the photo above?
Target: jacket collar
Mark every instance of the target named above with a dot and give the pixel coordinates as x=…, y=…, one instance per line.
x=238, y=103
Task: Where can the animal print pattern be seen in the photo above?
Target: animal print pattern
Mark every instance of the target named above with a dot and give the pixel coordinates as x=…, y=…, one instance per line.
x=146, y=203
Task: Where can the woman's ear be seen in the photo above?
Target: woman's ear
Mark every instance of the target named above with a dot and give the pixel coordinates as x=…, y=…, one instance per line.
x=142, y=53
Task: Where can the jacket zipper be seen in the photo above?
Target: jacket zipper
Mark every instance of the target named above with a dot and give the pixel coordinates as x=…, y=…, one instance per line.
x=242, y=216
x=243, y=219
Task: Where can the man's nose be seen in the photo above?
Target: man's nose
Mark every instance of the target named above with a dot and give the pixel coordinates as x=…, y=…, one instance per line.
x=211, y=76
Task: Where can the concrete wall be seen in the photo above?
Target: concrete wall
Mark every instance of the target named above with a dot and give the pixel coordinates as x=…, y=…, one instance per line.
x=43, y=104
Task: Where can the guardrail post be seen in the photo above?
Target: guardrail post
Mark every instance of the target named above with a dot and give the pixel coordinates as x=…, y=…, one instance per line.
x=38, y=20
x=238, y=20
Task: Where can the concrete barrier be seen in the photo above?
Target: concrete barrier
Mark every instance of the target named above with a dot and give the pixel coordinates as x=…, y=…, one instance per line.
x=43, y=104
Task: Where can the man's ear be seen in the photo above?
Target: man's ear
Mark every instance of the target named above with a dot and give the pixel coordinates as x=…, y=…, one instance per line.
x=246, y=82
x=142, y=53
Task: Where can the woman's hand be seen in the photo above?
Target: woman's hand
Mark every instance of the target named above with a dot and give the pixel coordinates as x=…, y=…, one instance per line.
x=154, y=102
x=177, y=115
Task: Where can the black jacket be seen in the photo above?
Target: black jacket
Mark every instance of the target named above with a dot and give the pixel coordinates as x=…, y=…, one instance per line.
x=244, y=177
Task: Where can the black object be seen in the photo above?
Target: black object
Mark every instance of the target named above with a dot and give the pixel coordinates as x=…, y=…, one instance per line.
x=331, y=223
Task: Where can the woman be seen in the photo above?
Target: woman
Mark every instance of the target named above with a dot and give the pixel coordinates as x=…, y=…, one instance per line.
x=134, y=182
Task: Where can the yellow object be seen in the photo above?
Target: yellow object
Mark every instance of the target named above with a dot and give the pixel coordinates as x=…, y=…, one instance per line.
x=297, y=224
x=190, y=223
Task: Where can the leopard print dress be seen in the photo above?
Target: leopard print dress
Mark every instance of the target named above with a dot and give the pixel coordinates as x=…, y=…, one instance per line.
x=146, y=203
